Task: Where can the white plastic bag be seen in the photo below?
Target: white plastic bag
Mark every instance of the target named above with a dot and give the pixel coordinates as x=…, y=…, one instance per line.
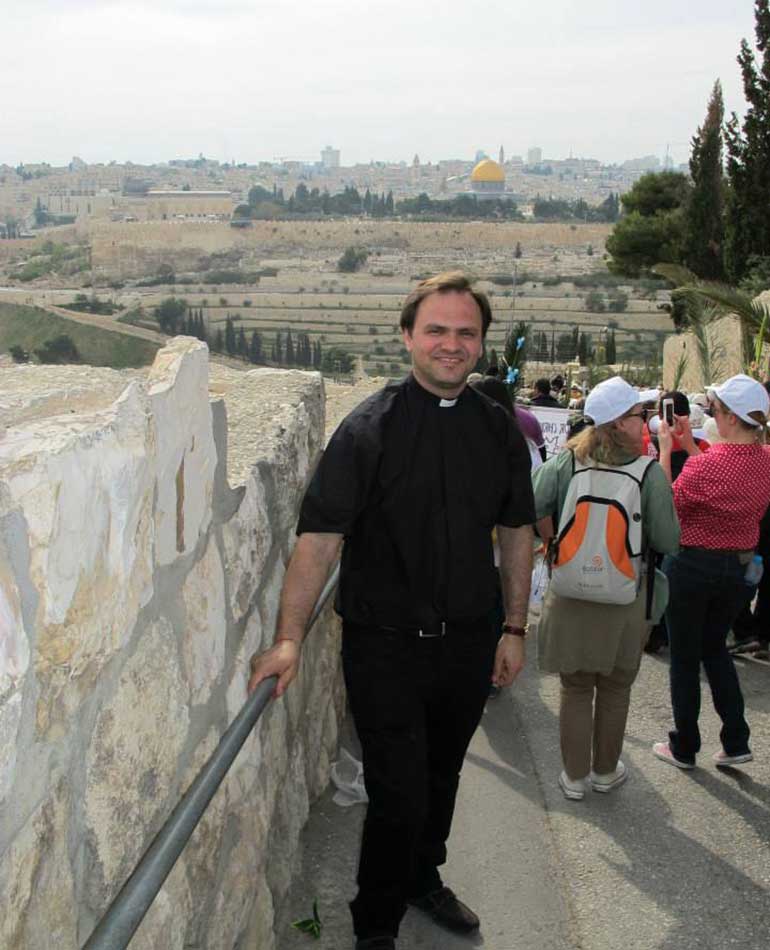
x=539, y=582
x=348, y=776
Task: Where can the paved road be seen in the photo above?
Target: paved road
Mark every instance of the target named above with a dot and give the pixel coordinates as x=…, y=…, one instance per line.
x=672, y=861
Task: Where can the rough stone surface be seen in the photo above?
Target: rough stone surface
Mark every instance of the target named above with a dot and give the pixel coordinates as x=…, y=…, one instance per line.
x=203, y=646
x=145, y=522
x=86, y=492
x=37, y=892
x=184, y=445
x=136, y=743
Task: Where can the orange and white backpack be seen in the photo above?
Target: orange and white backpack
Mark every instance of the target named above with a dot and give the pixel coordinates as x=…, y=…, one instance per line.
x=597, y=553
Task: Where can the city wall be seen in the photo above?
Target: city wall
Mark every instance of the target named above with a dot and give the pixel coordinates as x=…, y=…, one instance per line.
x=139, y=247
x=142, y=548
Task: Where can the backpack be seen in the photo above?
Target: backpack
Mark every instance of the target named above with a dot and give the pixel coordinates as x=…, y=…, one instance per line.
x=597, y=552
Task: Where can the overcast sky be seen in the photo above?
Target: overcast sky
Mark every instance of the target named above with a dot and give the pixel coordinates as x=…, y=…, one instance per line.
x=151, y=80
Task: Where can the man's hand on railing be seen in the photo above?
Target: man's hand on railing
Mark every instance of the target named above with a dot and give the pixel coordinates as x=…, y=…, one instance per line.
x=281, y=660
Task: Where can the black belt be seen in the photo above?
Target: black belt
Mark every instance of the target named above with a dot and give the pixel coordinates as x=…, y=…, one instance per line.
x=426, y=631
x=743, y=556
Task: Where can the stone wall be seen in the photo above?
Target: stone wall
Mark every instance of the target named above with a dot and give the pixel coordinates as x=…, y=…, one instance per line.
x=135, y=582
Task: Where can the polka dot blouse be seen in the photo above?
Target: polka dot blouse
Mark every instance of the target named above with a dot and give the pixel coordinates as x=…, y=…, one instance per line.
x=721, y=496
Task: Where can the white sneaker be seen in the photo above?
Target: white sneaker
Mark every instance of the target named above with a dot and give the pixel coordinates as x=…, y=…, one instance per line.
x=606, y=783
x=723, y=760
x=574, y=789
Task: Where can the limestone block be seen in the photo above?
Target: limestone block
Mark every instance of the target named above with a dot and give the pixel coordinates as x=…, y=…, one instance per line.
x=10, y=717
x=184, y=443
x=164, y=923
x=133, y=756
x=14, y=645
x=36, y=884
x=244, y=770
x=291, y=811
x=203, y=638
x=84, y=487
x=248, y=537
x=260, y=931
x=230, y=915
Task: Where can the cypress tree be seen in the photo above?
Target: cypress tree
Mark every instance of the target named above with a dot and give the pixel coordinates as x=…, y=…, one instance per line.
x=230, y=342
x=611, y=348
x=747, y=222
x=255, y=347
x=704, y=228
x=243, y=346
x=289, y=348
x=219, y=341
x=278, y=348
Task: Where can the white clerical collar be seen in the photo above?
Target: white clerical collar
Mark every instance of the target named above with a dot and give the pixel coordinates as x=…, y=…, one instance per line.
x=446, y=403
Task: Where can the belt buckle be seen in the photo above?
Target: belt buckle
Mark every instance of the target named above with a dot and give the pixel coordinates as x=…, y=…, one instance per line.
x=432, y=636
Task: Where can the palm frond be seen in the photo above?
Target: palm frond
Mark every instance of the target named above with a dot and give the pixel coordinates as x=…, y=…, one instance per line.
x=676, y=274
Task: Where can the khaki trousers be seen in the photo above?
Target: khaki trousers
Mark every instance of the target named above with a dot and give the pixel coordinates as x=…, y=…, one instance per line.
x=592, y=720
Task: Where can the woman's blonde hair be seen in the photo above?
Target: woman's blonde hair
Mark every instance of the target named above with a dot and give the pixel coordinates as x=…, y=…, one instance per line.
x=759, y=430
x=606, y=444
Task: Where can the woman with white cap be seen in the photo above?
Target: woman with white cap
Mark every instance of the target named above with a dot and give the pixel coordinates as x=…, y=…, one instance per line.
x=594, y=646
x=720, y=498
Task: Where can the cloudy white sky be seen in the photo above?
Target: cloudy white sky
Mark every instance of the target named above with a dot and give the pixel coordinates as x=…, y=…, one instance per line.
x=150, y=80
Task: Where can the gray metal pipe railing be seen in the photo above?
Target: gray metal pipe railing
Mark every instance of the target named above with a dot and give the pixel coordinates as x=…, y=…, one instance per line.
x=122, y=918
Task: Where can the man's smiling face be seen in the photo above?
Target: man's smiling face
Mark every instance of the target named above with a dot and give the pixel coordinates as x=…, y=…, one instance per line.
x=446, y=341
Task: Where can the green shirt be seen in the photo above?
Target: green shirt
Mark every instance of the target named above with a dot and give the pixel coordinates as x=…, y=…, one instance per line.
x=660, y=527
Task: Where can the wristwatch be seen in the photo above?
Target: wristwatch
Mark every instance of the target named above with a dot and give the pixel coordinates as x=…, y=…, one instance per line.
x=516, y=631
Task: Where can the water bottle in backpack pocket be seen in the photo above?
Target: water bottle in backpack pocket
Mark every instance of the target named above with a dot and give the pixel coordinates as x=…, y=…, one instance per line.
x=597, y=553
x=754, y=571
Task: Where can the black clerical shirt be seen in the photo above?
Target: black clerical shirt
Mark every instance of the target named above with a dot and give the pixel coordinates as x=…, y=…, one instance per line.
x=416, y=484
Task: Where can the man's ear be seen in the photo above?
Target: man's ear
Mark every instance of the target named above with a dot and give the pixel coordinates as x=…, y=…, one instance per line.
x=406, y=336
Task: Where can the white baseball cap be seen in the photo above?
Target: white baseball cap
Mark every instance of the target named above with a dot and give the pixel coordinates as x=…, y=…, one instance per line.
x=742, y=395
x=610, y=400
x=649, y=395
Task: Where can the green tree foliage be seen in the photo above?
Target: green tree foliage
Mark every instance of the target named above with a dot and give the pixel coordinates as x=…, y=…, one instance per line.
x=594, y=302
x=18, y=354
x=617, y=300
x=656, y=192
x=352, y=259
x=747, y=222
x=170, y=314
x=61, y=349
x=611, y=351
x=704, y=225
x=255, y=347
x=652, y=229
x=337, y=360
x=231, y=343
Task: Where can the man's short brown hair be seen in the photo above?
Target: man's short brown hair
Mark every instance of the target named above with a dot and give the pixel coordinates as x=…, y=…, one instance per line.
x=450, y=281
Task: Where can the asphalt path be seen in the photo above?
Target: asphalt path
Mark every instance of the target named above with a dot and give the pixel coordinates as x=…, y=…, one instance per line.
x=673, y=860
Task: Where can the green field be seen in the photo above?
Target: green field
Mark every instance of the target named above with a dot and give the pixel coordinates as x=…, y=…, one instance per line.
x=30, y=327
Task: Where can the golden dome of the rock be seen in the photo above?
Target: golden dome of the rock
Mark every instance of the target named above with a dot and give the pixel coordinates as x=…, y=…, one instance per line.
x=487, y=170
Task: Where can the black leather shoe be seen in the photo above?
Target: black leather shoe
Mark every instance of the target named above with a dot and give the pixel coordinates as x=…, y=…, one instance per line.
x=447, y=910
x=376, y=943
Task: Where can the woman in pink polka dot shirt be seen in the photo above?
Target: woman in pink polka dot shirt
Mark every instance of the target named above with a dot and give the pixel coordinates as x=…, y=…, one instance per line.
x=720, y=497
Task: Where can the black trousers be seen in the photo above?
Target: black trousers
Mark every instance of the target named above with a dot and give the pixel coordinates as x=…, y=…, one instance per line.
x=416, y=704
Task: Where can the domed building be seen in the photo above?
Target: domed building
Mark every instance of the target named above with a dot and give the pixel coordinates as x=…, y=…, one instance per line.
x=488, y=179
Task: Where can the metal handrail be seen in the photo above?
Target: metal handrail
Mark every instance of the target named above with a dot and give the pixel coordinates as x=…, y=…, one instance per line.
x=121, y=919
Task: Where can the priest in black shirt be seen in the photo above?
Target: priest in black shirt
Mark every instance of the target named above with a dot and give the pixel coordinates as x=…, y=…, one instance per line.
x=414, y=481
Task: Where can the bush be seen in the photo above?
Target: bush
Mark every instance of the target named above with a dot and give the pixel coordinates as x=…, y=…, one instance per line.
x=352, y=259
x=61, y=349
x=594, y=302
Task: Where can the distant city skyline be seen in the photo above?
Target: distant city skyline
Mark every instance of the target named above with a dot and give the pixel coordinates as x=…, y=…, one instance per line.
x=254, y=80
